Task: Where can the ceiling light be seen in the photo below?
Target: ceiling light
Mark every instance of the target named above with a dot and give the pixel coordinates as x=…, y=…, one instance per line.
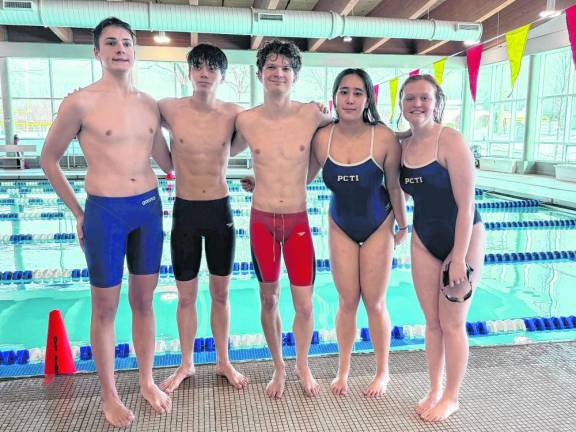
x=469, y=42
x=550, y=11
x=347, y=39
x=161, y=38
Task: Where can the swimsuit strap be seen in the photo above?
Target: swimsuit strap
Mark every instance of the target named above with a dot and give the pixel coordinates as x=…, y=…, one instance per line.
x=409, y=140
x=329, y=142
x=438, y=142
x=405, y=150
x=372, y=143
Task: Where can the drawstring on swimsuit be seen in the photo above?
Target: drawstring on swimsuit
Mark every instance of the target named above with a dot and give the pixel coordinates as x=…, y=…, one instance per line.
x=274, y=234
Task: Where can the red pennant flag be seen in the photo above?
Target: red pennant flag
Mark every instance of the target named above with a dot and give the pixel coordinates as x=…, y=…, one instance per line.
x=473, y=57
x=414, y=72
x=331, y=104
x=571, y=24
x=376, y=88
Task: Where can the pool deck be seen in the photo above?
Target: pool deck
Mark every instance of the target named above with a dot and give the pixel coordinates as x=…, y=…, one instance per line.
x=546, y=189
x=508, y=388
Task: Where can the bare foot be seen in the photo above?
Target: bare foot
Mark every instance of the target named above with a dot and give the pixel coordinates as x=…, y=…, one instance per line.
x=160, y=401
x=427, y=402
x=275, y=388
x=309, y=385
x=173, y=381
x=116, y=413
x=443, y=409
x=235, y=378
x=339, y=385
x=378, y=386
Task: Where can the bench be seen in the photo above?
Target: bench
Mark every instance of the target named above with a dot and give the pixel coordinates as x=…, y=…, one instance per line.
x=502, y=165
x=18, y=151
x=565, y=172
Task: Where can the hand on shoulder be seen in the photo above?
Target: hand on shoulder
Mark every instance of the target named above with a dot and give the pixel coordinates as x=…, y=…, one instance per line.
x=248, y=183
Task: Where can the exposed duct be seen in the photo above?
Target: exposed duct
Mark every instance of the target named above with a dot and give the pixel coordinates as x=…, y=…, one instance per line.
x=225, y=20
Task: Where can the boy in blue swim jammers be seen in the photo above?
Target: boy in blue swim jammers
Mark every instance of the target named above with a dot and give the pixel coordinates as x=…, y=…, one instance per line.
x=118, y=128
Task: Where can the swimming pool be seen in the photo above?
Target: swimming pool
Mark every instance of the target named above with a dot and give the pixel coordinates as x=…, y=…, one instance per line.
x=36, y=240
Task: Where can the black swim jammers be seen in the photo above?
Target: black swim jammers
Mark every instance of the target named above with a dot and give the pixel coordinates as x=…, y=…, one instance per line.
x=192, y=220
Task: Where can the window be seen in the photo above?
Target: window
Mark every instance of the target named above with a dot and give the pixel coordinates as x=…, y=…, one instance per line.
x=158, y=79
x=236, y=86
x=32, y=117
x=311, y=85
x=499, y=114
x=2, y=133
x=38, y=86
x=183, y=86
x=556, y=118
x=30, y=78
x=69, y=75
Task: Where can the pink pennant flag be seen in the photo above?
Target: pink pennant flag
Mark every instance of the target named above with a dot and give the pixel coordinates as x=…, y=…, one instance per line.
x=571, y=24
x=331, y=104
x=473, y=57
x=376, y=88
x=414, y=72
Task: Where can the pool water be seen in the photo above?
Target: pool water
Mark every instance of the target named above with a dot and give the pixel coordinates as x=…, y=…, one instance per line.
x=506, y=291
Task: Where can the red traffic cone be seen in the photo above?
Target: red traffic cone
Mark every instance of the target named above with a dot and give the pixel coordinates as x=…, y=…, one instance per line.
x=59, y=359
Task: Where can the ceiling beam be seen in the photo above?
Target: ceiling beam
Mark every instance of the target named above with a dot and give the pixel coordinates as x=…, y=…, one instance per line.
x=193, y=36
x=65, y=34
x=341, y=7
x=523, y=12
x=255, y=41
x=452, y=11
x=406, y=9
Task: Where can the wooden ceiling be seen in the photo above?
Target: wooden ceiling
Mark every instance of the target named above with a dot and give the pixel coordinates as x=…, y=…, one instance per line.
x=497, y=17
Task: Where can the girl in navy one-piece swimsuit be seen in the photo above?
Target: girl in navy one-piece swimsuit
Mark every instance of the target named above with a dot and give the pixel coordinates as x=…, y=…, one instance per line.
x=360, y=159
x=448, y=236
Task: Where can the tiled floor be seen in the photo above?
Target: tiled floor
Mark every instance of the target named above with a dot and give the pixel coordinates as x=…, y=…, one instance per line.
x=518, y=388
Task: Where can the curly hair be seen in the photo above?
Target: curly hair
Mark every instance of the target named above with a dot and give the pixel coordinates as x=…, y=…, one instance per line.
x=284, y=48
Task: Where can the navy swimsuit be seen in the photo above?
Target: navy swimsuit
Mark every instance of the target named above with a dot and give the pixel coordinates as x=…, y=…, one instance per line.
x=435, y=208
x=359, y=202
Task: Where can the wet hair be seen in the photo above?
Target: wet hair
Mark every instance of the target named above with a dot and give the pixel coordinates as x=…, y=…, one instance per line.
x=279, y=47
x=207, y=54
x=107, y=22
x=370, y=113
x=438, y=94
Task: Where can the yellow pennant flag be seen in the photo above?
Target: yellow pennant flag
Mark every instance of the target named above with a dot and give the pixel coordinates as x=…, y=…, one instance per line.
x=439, y=70
x=393, y=90
x=515, y=44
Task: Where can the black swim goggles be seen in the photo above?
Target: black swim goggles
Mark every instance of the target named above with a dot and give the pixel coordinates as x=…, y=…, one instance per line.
x=446, y=283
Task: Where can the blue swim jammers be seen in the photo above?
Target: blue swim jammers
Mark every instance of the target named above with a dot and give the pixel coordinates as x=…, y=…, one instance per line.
x=115, y=227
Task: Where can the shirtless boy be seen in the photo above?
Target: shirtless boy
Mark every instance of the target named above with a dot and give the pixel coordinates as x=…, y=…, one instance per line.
x=118, y=128
x=202, y=128
x=279, y=133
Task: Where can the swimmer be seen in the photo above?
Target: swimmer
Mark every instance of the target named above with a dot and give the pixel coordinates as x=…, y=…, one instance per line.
x=202, y=130
x=358, y=154
x=279, y=133
x=438, y=172
x=123, y=212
